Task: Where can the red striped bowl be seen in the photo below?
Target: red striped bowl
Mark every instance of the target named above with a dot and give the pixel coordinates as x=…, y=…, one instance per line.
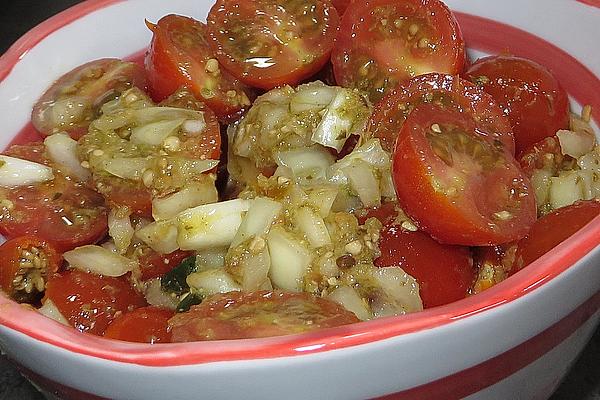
x=516, y=340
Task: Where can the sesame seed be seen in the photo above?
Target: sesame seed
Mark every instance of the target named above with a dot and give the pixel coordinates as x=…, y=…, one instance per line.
x=413, y=29
x=98, y=153
x=436, y=128
x=148, y=178
x=354, y=247
x=171, y=143
x=212, y=65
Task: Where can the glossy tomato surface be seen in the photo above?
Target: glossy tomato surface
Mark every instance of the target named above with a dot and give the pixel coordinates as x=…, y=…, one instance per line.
x=155, y=265
x=384, y=42
x=91, y=302
x=75, y=99
x=531, y=97
x=239, y=315
x=180, y=56
x=268, y=43
x=26, y=262
x=142, y=325
x=444, y=272
x=448, y=91
x=456, y=184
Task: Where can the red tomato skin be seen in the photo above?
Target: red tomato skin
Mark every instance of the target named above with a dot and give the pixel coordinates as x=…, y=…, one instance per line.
x=390, y=113
x=288, y=68
x=244, y=315
x=359, y=43
x=10, y=254
x=341, y=6
x=90, y=302
x=552, y=229
x=142, y=325
x=448, y=218
x=171, y=65
x=531, y=97
x=545, y=154
x=444, y=272
x=155, y=265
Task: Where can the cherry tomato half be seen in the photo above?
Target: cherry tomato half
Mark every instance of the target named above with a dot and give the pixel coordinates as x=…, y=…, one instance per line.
x=90, y=302
x=455, y=184
x=268, y=43
x=67, y=214
x=155, y=265
x=25, y=264
x=180, y=55
x=444, y=272
x=552, y=229
x=142, y=325
x=74, y=100
x=240, y=315
x=341, y=6
x=447, y=91
x=384, y=42
x=529, y=94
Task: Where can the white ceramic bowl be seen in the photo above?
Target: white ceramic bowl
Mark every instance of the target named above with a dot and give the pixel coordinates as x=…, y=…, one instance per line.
x=514, y=341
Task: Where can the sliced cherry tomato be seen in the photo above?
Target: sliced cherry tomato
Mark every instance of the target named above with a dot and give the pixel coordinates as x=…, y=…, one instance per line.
x=546, y=155
x=384, y=42
x=494, y=264
x=455, y=184
x=154, y=265
x=529, y=94
x=240, y=315
x=268, y=43
x=180, y=55
x=444, y=272
x=124, y=193
x=447, y=91
x=91, y=302
x=67, y=214
x=25, y=264
x=552, y=229
x=74, y=100
x=142, y=325
x=341, y=6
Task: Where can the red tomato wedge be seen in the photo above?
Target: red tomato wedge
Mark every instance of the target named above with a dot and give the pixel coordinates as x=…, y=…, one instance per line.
x=142, y=325
x=65, y=213
x=552, y=229
x=447, y=91
x=180, y=55
x=26, y=263
x=385, y=42
x=268, y=43
x=444, y=272
x=239, y=315
x=75, y=99
x=91, y=302
x=155, y=265
x=457, y=185
x=531, y=97
x=123, y=193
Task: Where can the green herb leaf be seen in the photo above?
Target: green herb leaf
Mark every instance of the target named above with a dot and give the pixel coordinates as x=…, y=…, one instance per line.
x=174, y=280
x=188, y=300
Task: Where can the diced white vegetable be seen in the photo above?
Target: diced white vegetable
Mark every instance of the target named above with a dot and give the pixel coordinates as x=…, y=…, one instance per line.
x=307, y=164
x=401, y=292
x=370, y=152
x=16, y=172
x=194, y=127
x=192, y=195
x=63, y=151
x=210, y=259
x=575, y=144
x=212, y=281
x=540, y=179
x=252, y=269
x=565, y=189
x=195, y=166
x=50, y=310
x=155, y=133
x=364, y=182
x=313, y=226
x=149, y=115
x=322, y=198
x=290, y=260
x=336, y=126
x=157, y=297
x=210, y=225
x=98, y=260
x=386, y=185
x=126, y=168
x=258, y=219
x=351, y=301
x=271, y=116
x=313, y=96
x=120, y=229
x=161, y=236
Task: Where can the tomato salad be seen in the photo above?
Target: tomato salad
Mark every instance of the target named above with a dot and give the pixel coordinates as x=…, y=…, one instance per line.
x=289, y=165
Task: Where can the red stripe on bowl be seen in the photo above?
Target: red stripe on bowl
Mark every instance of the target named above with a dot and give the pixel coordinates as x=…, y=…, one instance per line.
x=593, y=3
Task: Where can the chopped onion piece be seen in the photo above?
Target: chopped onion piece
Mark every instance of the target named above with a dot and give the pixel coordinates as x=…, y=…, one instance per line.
x=210, y=225
x=290, y=260
x=211, y=259
x=254, y=269
x=258, y=219
x=120, y=229
x=313, y=96
x=160, y=236
x=400, y=292
x=17, y=172
x=194, y=127
x=565, y=189
x=322, y=198
x=148, y=115
x=126, y=168
x=63, y=151
x=212, y=281
x=98, y=260
x=157, y=297
x=155, y=133
x=192, y=195
x=351, y=301
x=50, y=310
x=308, y=164
x=364, y=182
x=575, y=144
x=336, y=126
x=313, y=226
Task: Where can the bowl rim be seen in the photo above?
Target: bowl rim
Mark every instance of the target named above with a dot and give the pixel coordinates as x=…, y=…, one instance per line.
x=36, y=326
